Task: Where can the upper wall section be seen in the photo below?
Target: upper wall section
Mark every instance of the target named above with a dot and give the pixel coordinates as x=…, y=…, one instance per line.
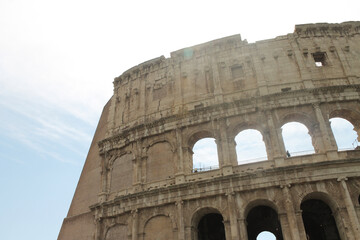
x=230, y=69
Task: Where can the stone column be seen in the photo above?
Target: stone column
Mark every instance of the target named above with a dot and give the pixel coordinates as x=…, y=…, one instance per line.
x=276, y=140
x=242, y=228
x=223, y=146
x=285, y=228
x=179, y=204
x=300, y=224
x=135, y=222
x=242, y=219
x=187, y=156
x=227, y=229
x=104, y=178
x=98, y=228
x=137, y=161
x=289, y=206
x=326, y=134
x=180, y=169
x=233, y=216
x=354, y=221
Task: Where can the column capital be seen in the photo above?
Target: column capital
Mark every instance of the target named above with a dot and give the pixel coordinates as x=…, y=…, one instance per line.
x=342, y=179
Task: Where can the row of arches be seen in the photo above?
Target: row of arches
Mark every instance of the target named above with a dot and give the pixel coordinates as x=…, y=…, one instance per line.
x=250, y=145
x=263, y=223
x=320, y=220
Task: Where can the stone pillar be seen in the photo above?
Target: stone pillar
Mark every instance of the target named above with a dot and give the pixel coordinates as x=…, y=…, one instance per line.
x=223, y=146
x=180, y=169
x=285, y=228
x=135, y=222
x=242, y=220
x=242, y=228
x=326, y=134
x=227, y=229
x=276, y=140
x=233, y=216
x=98, y=228
x=354, y=221
x=187, y=157
x=104, y=178
x=300, y=224
x=291, y=217
x=179, y=205
x=190, y=233
x=137, y=161
x=232, y=151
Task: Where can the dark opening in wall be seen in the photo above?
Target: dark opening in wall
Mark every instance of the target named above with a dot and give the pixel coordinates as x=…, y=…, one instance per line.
x=319, y=221
x=211, y=227
x=263, y=218
x=319, y=58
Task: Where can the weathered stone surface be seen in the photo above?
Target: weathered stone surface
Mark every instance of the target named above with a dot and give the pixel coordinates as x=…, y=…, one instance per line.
x=138, y=180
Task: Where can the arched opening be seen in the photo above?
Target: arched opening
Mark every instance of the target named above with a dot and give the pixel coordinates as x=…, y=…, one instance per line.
x=265, y=235
x=263, y=218
x=211, y=227
x=318, y=220
x=205, y=156
x=297, y=139
x=250, y=146
x=158, y=227
x=345, y=136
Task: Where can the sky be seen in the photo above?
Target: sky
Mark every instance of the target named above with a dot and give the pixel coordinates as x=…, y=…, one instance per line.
x=57, y=63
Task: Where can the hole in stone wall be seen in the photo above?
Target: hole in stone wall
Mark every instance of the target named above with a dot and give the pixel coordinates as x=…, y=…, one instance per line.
x=297, y=139
x=263, y=218
x=205, y=155
x=345, y=136
x=320, y=59
x=211, y=227
x=250, y=146
x=318, y=220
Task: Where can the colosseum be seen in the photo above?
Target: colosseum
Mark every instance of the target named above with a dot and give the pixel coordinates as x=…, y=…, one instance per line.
x=139, y=181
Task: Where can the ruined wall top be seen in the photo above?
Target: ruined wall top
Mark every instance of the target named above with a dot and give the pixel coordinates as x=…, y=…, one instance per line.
x=230, y=69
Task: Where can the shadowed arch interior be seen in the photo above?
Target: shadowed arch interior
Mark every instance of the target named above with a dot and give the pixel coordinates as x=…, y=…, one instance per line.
x=211, y=227
x=318, y=220
x=263, y=218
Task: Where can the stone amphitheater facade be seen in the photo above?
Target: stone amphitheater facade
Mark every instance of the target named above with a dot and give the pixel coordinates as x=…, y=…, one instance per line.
x=138, y=181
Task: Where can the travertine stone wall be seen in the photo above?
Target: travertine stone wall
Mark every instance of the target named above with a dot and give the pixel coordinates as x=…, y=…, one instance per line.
x=138, y=180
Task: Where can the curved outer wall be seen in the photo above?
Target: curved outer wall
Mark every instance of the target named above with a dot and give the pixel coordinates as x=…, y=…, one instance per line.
x=138, y=180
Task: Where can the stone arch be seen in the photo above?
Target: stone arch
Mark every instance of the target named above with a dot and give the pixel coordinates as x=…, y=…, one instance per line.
x=323, y=196
x=199, y=137
x=121, y=172
x=265, y=141
x=262, y=215
x=207, y=213
x=152, y=142
x=300, y=117
x=159, y=227
x=352, y=116
x=116, y=156
x=160, y=153
x=117, y=231
x=321, y=217
x=312, y=125
x=260, y=202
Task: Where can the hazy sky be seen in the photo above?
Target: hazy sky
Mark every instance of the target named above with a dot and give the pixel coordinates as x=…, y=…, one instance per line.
x=57, y=63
